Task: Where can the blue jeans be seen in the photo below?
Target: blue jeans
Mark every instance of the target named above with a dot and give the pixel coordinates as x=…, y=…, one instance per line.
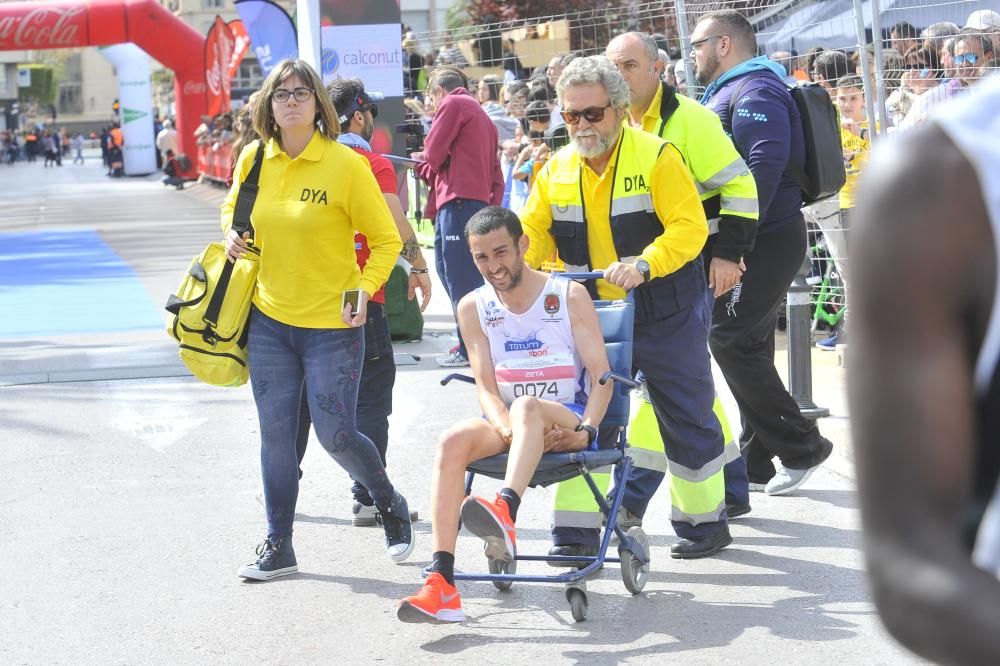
x=452, y=257
x=378, y=376
x=325, y=364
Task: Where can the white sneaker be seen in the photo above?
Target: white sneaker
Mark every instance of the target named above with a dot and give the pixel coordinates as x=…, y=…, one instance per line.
x=788, y=480
x=453, y=360
x=363, y=515
x=757, y=487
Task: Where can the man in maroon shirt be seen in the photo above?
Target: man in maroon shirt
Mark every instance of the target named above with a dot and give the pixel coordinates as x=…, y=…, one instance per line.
x=461, y=163
x=357, y=111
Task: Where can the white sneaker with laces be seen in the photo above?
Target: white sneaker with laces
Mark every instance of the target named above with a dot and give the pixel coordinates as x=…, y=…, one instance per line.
x=788, y=480
x=453, y=360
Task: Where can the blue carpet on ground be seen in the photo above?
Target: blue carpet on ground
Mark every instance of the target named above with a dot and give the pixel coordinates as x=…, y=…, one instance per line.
x=65, y=282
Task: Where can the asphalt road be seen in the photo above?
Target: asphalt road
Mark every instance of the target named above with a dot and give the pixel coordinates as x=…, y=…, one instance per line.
x=129, y=503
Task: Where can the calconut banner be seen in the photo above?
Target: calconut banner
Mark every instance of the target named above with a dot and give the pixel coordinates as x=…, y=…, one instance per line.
x=136, y=99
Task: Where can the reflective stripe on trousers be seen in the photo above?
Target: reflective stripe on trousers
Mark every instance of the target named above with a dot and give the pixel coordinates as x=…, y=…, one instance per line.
x=693, y=494
x=574, y=504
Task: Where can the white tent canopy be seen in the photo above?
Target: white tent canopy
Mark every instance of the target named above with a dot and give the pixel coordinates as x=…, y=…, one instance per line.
x=831, y=24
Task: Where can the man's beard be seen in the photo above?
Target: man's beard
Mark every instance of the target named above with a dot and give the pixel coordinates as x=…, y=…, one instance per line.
x=600, y=146
x=516, y=273
x=705, y=75
x=368, y=129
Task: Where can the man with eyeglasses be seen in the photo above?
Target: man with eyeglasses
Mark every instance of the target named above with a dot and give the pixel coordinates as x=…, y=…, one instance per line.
x=756, y=109
x=973, y=50
x=620, y=200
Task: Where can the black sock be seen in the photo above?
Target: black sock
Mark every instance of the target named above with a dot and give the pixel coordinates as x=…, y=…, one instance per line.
x=444, y=563
x=513, y=501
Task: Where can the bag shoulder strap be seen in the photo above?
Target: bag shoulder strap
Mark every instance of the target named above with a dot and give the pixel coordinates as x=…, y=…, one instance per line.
x=248, y=194
x=241, y=222
x=797, y=170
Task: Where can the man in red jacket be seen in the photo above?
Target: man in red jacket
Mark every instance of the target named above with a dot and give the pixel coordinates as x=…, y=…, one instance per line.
x=461, y=163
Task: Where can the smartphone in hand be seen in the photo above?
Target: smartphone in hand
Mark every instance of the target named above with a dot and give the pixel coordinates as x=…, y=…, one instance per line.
x=352, y=296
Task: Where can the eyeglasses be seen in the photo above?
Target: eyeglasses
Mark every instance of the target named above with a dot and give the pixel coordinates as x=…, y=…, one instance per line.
x=696, y=44
x=301, y=95
x=969, y=58
x=593, y=114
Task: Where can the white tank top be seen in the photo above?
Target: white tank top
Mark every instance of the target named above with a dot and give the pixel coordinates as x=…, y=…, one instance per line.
x=973, y=124
x=534, y=353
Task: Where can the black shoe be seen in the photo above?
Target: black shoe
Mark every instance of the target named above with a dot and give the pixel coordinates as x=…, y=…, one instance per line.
x=705, y=547
x=395, y=521
x=578, y=549
x=275, y=557
x=737, y=510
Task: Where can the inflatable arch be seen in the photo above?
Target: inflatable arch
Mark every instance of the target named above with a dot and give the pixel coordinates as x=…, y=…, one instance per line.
x=145, y=23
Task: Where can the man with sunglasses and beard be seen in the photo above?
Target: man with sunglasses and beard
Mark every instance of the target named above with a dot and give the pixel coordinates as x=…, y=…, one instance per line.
x=620, y=200
x=973, y=49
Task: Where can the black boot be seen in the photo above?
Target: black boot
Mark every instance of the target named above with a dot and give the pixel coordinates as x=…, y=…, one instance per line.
x=577, y=549
x=703, y=547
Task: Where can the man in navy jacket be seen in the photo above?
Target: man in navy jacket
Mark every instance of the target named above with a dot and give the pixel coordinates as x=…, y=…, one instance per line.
x=757, y=111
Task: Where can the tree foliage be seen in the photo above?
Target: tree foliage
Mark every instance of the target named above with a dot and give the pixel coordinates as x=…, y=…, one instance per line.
x=496, y=11
x=43, y=85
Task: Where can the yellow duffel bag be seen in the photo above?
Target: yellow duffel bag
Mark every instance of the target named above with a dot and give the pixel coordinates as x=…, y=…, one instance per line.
x=212, y=305
x=211, y=308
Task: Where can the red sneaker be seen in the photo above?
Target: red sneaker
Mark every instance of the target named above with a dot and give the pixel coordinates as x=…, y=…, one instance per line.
x=437, y=601
x=491, y=522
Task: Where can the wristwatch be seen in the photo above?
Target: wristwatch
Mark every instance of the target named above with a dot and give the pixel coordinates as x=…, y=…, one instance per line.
x=591, y=432
x=642, y=266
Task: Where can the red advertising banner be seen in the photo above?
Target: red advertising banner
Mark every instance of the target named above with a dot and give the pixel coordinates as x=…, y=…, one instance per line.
x=219, y=44
x=241, y=44
x=44, y=26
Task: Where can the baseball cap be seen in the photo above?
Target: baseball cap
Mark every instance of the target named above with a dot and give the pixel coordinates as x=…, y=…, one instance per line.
x=984, y=20
x=363, y=101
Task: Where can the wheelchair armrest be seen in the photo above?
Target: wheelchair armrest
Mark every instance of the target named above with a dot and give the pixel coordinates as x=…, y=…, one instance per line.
x=610, y=374
x=457, y=377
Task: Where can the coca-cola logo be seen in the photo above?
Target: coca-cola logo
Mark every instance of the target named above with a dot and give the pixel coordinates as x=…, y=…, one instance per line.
x=221, y=52
x=44, y=27
x=194, y=87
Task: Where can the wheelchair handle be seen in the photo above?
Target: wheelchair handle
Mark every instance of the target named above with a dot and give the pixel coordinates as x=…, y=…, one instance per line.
x=457, y=377
x=593, y=275
x=614, y=376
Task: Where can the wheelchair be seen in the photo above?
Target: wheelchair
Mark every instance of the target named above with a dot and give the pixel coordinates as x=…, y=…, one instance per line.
x=616, y=321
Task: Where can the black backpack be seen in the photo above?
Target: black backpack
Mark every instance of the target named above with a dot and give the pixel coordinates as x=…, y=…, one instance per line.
x=823, y=174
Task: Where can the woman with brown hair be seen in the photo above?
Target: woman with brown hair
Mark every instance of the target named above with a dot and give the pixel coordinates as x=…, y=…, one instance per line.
x=243, y=132
x=305, y=334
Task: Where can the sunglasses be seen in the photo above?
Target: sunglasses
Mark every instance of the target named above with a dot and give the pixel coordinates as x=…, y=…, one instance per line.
x=969, y=58
x=300, y=94
x=593, y=114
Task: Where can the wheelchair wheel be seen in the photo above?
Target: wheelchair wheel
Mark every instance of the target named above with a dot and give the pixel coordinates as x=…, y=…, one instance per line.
x=634, y=572
x=577, y=599
x=502, y=568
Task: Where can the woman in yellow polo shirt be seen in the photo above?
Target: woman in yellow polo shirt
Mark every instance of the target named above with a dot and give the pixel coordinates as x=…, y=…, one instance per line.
x=314, y=193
